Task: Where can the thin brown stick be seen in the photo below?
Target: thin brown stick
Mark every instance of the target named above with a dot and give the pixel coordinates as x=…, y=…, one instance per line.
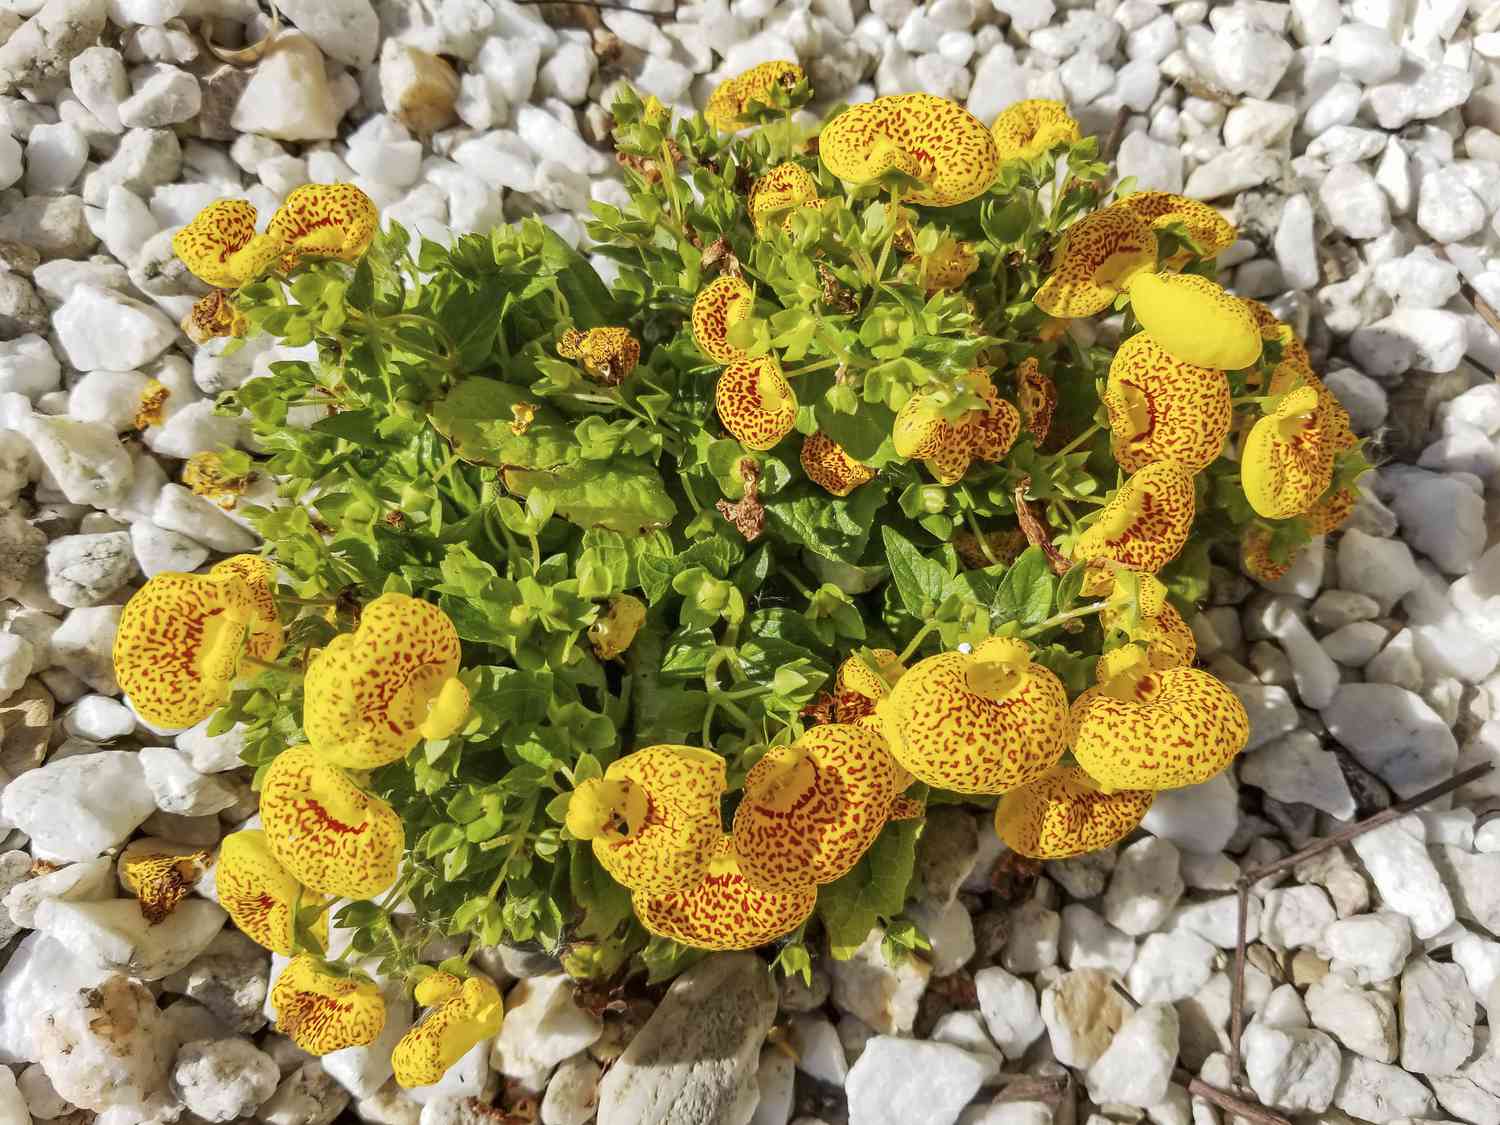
x=1116, y=134
x=1237, y=998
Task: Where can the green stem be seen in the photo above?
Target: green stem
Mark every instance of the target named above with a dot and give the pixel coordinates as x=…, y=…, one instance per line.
x=248, y=661
x=984, y=542
x=536, y=552
x=893, y=222
x=1059, y=618
x=1079, y=440
x=831, y=361
x=915, y=642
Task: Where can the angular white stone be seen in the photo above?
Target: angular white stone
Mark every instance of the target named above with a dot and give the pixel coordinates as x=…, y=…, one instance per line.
x=1291, y=1069
x=1394, y=734
x=1405, y=876
x=900, y=1081
x=104, y=330
x=1362, y=1020
x=74, y=808
x=1010, y=1009
x=1136, y=1069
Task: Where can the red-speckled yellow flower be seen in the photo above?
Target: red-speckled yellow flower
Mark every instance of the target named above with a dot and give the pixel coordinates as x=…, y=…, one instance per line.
x=921, y=431
x=1162, y=409
x=732, y=99
x=779, y=192
x=1331, y=512
x=1145, y=523
x=260, y=895
x=614, y=630
x=1210, y=232
x=1065, y=814
x=755, y=402
x=181, y=636
x=873, y=684
x=325, y=221
x=1271, y=329
x=721, y=909
x=322, y=1011
x=329, y=834
x=828, y=466
x=214, y=316
x=608, y=355
x=1196, y=319
x=928, y=138
x=653, y=817
x=1145, y=729
x=1027, y=129
x=992, y=431
x=811, y=809
x=373, y=694
x=1037, y=395
x=205, y=475
x=462, y=1014
x=980, y=722
x=1255, y=554
x=719, y=306
x=1137, y=605
x=1287, y=462
x=1098, y=257
x=221, y=248
x=160, y=881
x=949, y=266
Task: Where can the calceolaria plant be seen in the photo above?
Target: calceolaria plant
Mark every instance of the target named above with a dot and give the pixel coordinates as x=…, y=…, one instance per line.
x=643, y=618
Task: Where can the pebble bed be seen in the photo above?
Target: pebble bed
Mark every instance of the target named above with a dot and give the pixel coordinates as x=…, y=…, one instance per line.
x=1357, y=146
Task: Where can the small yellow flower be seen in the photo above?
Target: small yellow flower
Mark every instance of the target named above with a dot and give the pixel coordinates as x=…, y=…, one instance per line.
x=755, y=402
x=372, y=695
x=828, y=466
x=1255, y=554
x=1287, y=462
x=612, y=633
x=204, y=475
x=180, y=639
x=1210, y=232
x=1066, y=814
x=1024, y=130
x=329, y=834
x=733, y=98
x=1162, y=409
x=856, y=676
x=927, y=138
x=1098, y=257
x=653, y=817
x=719, y=306
x=721, y=909
x=260, y=895
x=778, y=193
x=1331, y=512
x=321, y=1011
x=325, y=221
x=949, y=266
x=1146, y=522
x=462, y=1014
x=151, y=408
x=921, y=431
x=1196, y=320
x=811, y=809
x=160, y=882
x=221, y=248
x=608, y=355
x=522, y=415
x=980, y=722
x=1145, y=729
x=1037, y=396
x=214, y=316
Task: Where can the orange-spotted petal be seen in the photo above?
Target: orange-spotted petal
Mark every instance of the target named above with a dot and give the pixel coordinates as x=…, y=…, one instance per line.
x=326, y=221
x=1027, y=129
x=992, y=431
x=1211, y=234
x=1162, y=409
x=266, y=636
x=930, y=139
x=755, y=402
x=1195, y=319
x=733, y=98
x=608, y=354
x=465, y=1014
x=1288, y=459
x=221, y=248
x=1256, y=556
x=719, y=306
x=260, y=895
x=830, y=468
x=160, y=881
x=1036, y=394
x=920, y=430
x=322, y=1011
x=1066, y=814
x=1097, y=258
x=780, y=191
x=1146, y=522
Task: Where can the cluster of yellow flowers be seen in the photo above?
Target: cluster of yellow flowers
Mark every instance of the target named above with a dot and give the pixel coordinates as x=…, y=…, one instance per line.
x=370, y=696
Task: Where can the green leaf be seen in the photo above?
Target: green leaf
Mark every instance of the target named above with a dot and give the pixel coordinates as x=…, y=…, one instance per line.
x=625, y=495
x=921, y=582
x=476, y=417
x=605, y=902
x=876, y=888
x=835, y=527
x=1025, y=594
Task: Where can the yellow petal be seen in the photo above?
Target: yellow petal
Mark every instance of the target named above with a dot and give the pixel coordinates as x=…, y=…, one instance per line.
x=160, y=882
x=1210, y=232
x=781, y=190
x=266, y=636
x=608, y=354
x=208, y=243
x=931, y=139
x=920, y=430
x=949, y=266
x=326, y=221
x=732, y=98
x=755, y=402
x=1196, y=319
x=1097, y=258
x=1255, y=554
x=613, y=632
x=1029, y=128
x=992, y=431
x=830, y=468
x=259, y=894
x=1288, y=458
x=1065, y=814
x=467, y=1014
x=719, y=306
x=1162, y=409
x=1145, y=523
x=322, y=1012
x=854, y=675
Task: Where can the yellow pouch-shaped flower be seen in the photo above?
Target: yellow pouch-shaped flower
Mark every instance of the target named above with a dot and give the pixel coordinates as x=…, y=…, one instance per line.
x=653, y=817
x=1065, y=814
x=719, y=306
x=778, y=193
x=755, y=402
x=949, y=266
x=1029, y=128
x=731, y=99
x=373, y=694
x=322, y=1012
x=266, y=635
x=1196, y=320
x=463, y=1013
x=1161, y=409
x=221, y=248
x=928, y=138
x=721, y=909
x=1137, y=605
x=1098, y=257
x=992, y=431
x=160, y=882
x=1145, y=523
x=980, y=722
x=260, y=895
x=811, y=809
x=830, y=468
x=608, y=355
x=330, y=835
x=1144, y=729
x=326, y=221
x=1287, y=462
x=1255, y=554
x=1210, y=232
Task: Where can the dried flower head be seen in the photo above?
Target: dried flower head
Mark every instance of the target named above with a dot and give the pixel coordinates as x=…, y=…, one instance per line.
x=608, y=355
x=214, y=316
x=151, y=406
x=160, y=881
x=1036, y=395
x=205, y=475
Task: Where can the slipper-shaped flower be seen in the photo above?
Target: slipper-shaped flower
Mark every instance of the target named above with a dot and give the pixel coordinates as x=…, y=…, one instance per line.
x=732, y=98
x=1287, y=461
x=921, y=431
x=1332, y=511
x=1162, y=409
x=1137, y=605
x=980, y=722
x=653, y=817
x=1145, y=729
x=930, y=139
x=811, y=809
x=830, y=468
x=778, y=193
x=180, y=639
x=1066, y=814
x=608, y=355
x=1027, y=129
x=260, y=895
x=258, y=573
x=949, y=266
x=373, y=694
x=214, y=316
x=755, y=402
x=722, y=909
x=1196, y=320
x=462, y=1014
x=220, y=246
x=1146, y=522
x=1036, y=394
x=992, y=431
x=326, y=221
x=1210, y=232
x=160, y=882
x=1256, y=557
x=719, y=306
x=1096, y=259
x=330, y=835
x=322, y=1011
